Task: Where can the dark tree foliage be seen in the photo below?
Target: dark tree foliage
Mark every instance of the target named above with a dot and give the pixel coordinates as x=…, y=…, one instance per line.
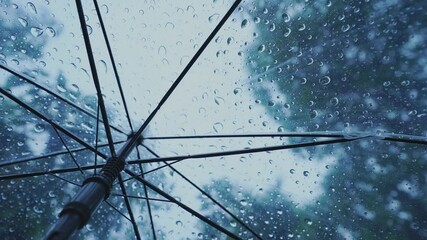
x=347, y=66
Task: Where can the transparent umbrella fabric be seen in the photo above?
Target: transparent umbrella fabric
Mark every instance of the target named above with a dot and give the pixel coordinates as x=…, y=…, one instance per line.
x=298, y=119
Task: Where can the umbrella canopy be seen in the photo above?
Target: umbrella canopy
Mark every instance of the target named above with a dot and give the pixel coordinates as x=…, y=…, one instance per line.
x=213, y=119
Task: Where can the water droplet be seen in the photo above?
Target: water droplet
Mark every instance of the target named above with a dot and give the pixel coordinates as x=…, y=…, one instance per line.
x=325, y=80
x=345, y=28
x=230, y=40
x=292, y=171
x=50, y=32
x=286, y=17
x=281, y=129
x=306, y=173
x=272, y=27
x=32, y=7
x=219, y=100
x=37, y=209
x=23, y=22
x=237, y=91
x=169, y=25
x=61, y=88
x=38, y=128
x=218, y=127
x=386, y=83
x=308, y=221
x=202, y=110
x=103, y=66
x=287, y=32
x=405, y=83
x=36, y=32
x=89, y=29
x=213, y=17
x=245, y=22
x=313, y=113
x=52, y=194
x=243, y=202
x=104, y=8
x=261, y=48
x=74, y=88
x=178, y=223
x=334, y=101
x=233, y=224
x=162, y=50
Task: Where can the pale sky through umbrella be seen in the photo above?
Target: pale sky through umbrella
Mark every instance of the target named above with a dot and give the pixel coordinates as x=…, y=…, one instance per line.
x=151, y=46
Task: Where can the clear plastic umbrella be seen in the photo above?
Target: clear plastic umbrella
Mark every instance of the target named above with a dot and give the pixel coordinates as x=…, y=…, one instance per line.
x=247, y=120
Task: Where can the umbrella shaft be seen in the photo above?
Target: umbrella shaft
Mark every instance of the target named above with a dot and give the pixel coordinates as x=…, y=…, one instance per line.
x=77, y=212
x=95, y=189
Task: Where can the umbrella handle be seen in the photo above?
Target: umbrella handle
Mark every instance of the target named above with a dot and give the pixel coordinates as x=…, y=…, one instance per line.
x=95, y=189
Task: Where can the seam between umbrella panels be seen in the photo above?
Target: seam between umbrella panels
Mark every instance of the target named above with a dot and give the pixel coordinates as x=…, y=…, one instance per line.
x=55, y=125
x=28, y=80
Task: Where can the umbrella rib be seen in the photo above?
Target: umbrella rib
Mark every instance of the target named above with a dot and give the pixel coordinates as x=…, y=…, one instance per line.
x=180, y=77
x=386, y=137
x=27, y=79
x=113, y=62
x=110, y=53
x=117, y=210
x=143, y=198
x=158, y=168
x=55, y=125
x=95, y=76
x=244, y=151
x=206, y=194
x=96, y=138
x=404, y=138
x=65, y=180
x=395, y=137
x=147, y=200
x=68, y=150
x=54, y=154
x=182, y=205
x=129, y=208
x=251, y=135
x=54, y=171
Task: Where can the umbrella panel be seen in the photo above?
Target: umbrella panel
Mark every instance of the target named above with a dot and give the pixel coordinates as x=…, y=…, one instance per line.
x=221, y=98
